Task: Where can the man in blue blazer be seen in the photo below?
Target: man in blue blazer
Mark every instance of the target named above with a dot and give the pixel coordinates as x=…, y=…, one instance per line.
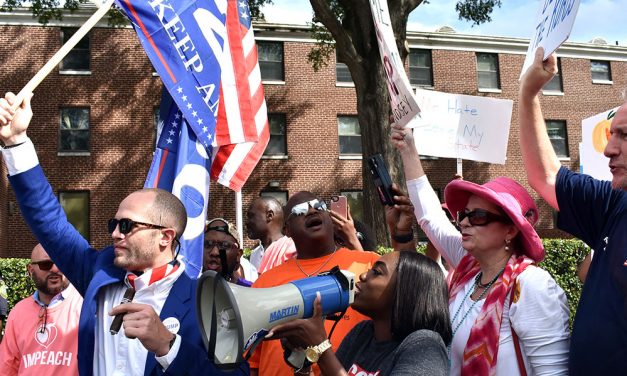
x=160, y=333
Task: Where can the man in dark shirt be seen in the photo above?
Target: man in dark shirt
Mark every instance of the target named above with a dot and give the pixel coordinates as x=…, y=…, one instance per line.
x=594, y=211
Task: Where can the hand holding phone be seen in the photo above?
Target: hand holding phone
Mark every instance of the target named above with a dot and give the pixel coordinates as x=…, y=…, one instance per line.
x=339, y=204
x=382, y=179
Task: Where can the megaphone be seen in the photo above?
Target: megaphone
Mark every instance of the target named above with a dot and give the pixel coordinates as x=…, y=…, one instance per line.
x=234, y=319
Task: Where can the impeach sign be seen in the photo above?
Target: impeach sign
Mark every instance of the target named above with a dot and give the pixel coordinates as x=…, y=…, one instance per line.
x=462, y=126
x=404, y=106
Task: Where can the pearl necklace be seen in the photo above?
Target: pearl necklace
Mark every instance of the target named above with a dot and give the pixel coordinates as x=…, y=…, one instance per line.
x=470, y=291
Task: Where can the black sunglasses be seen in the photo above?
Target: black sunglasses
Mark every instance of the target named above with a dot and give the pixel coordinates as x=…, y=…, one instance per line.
x=480, y=217
x=226, y=245
x=127, y=225
x=43, y=265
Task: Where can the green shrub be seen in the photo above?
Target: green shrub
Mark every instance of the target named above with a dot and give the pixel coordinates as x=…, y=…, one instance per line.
x=19, y=284
x=562, y=258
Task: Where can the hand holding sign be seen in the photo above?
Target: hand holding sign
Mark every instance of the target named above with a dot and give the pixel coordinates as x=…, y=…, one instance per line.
x=554, y=23
x=538, y=74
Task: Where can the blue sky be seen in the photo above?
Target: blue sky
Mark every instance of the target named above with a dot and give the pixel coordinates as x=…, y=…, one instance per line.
x=515, y=18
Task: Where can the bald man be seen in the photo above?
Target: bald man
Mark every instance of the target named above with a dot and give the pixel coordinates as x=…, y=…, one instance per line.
x=42, y=330
x=264, y=222
x=159, y=332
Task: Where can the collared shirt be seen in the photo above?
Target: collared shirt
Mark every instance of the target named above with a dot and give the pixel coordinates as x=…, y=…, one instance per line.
x=56, y=300
x=117, y=354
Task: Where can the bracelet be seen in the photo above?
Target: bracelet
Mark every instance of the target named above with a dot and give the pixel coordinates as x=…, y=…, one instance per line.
x=404, y=238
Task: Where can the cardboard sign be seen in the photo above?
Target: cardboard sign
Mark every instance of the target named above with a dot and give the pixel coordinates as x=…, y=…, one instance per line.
x=553, y=25
x=462, y=126
x=404, y=106
x=594, y=135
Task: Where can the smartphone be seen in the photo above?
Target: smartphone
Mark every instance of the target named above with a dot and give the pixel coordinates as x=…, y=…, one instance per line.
x=340, y=206
x=382, y=179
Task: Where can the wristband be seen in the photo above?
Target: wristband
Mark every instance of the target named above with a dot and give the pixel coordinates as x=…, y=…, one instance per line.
x=404, y=238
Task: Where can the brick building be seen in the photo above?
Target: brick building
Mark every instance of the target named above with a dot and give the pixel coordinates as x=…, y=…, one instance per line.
x=94, y=117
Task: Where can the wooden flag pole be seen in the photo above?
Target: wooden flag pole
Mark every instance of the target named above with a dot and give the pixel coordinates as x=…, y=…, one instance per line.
x=63, y=51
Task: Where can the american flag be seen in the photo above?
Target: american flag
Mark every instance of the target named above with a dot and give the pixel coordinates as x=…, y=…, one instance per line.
x=239, y=119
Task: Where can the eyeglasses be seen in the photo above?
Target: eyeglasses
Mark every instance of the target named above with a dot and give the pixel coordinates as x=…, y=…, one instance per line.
x=303, y=207
x=480, y=217
x=127, y=225
x=226, y=245
x=44, y=265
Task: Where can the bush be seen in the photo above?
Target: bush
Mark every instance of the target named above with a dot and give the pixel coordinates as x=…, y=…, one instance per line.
x=562, y=258
x=15, y=276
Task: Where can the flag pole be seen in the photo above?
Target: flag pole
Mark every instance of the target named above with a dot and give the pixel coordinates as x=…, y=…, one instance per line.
x=238, y=217
x=63, y=51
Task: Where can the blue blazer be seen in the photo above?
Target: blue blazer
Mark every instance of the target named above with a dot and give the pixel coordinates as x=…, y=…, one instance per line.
x=90, y=270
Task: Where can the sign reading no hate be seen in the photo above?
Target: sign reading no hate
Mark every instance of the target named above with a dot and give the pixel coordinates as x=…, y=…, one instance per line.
x=462, y=126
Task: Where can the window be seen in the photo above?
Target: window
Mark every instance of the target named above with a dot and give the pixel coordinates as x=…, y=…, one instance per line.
x=488, y=71
x=280, y=196
x=342, y=74
x=420, y=68
x=76, y=207
x=557, y=133
x=277, y=145
x=350, y=135
x=78, y=58
x=555, y=85
x=74, y=130
x=355, y=201
x=601, y=71
x=271, y=60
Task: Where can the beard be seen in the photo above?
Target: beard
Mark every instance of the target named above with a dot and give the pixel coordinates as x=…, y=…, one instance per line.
x=43, y=285
x=135, y=259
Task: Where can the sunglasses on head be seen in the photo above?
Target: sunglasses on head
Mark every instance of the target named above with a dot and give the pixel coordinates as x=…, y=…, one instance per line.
x=223, y=244
x=303, y=207
x=43, y=265
x=480, y=217
x=127, y=225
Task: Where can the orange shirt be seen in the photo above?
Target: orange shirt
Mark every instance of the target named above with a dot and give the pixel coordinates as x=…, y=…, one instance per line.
x=268, y=357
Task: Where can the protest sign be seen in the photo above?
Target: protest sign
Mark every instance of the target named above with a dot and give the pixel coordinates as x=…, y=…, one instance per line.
x=595, y=134
x=404, y=106
x=553, y=25
x=462, y=126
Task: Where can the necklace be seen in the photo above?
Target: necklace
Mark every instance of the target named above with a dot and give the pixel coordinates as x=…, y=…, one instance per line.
x=470, y=291
x=319, y=268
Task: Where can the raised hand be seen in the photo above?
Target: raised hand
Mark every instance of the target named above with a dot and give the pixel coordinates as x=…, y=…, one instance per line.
x=400, y=217
x=14, y=122
x=538, y=74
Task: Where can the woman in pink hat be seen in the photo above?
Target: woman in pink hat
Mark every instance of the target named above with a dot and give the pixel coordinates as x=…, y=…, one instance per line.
x=509, y=317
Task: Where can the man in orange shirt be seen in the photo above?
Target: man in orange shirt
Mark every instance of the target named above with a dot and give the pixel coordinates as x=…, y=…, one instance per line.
x=309, y=225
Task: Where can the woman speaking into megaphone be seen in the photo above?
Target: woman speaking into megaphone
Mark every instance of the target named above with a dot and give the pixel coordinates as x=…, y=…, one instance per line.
x=406, y=297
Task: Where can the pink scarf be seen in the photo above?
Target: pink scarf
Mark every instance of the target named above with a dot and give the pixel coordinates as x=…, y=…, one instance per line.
x=482, y=347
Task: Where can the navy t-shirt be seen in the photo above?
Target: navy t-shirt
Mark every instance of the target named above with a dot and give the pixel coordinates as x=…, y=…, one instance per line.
x=592, y=211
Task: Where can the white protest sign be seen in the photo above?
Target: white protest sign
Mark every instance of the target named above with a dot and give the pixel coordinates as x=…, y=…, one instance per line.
x=462, y=126
x=553, y=25
x=404, y=106
x=594, y=134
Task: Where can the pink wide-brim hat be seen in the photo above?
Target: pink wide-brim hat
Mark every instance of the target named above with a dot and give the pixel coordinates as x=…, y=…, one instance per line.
x=511, y=197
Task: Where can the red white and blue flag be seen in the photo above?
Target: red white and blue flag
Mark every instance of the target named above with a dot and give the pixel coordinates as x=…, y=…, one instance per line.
x=193, y=51
x=242, y=113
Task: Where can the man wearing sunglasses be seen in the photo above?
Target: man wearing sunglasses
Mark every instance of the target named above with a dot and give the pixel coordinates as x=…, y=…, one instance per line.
x=42, y=330
x=309, y=225
x=159, y=332
x=222, y=252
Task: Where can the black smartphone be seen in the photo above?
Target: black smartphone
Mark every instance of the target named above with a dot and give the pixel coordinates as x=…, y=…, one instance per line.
x=382, y=179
